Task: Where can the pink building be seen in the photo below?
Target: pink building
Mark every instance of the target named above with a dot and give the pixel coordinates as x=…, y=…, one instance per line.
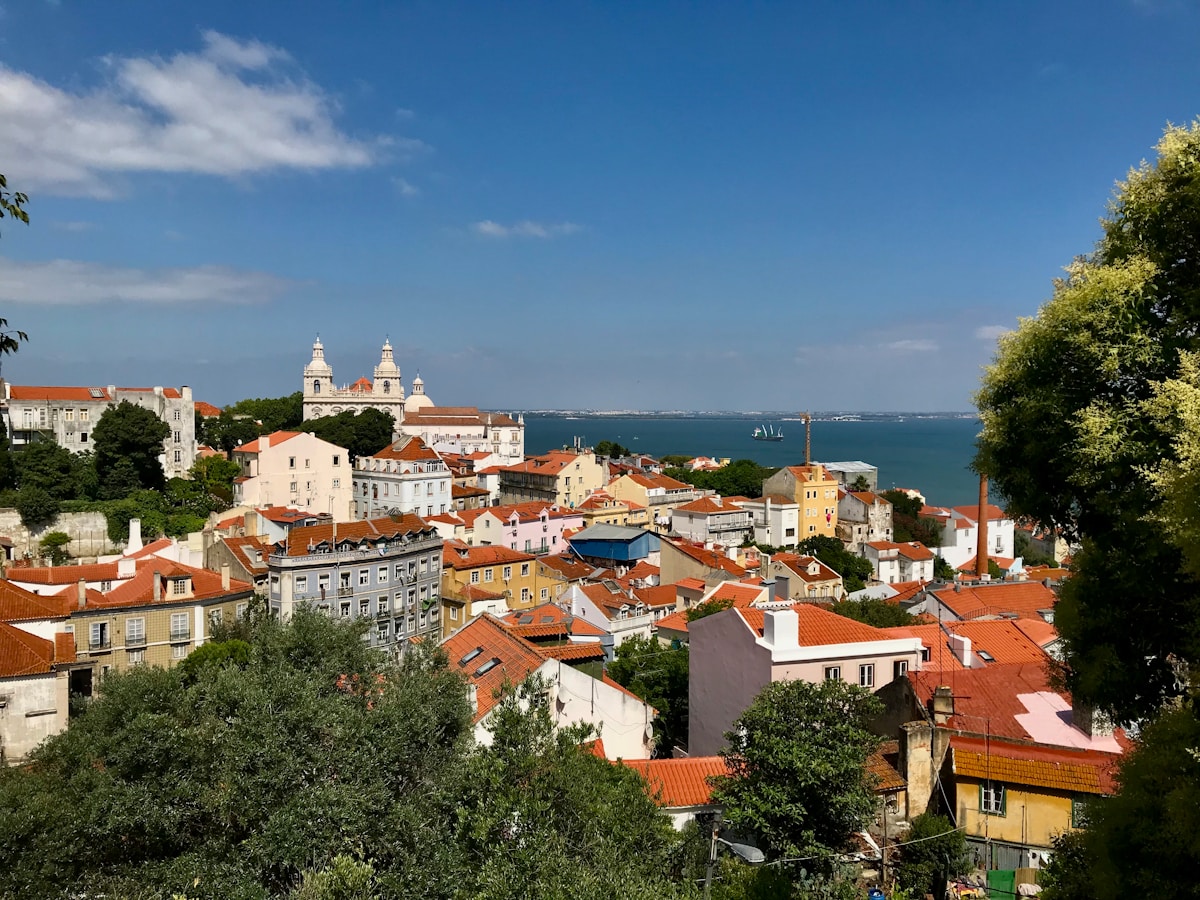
x=738, y=652
x=528, y=527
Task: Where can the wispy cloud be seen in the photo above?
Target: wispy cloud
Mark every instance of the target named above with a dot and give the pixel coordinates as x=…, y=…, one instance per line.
x=991, y=332
x=64, y=282
x=525, y=229
x=405, y=187
x=912, y=345
x=231, y=109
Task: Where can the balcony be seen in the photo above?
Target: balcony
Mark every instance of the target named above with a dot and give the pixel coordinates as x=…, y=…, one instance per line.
x=135, y=642
x=345, y=591
x=101, y=646
x=181, y=636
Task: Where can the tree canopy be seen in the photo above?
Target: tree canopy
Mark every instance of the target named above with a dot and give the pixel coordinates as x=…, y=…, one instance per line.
x=129, y=440
x=611, y=449
x=362, y=434
x=658, y=673
x=907, y=522
x=1091, y=424
x=797, y=758
x=879, y=613
x=741, y=478
x=855, y=570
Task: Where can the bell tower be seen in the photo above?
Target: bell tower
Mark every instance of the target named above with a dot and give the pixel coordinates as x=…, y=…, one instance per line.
x=318, y=380
x=387, y=376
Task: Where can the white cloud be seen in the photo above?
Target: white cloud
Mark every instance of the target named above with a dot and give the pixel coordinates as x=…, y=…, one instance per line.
x=233, y=108
x=488, y=228
x=405, y=187
x=912, y=345
x=991, y=332
x=64, y=282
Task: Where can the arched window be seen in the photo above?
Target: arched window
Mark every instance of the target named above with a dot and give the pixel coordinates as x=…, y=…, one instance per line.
x=317, y=387
x=387, y=387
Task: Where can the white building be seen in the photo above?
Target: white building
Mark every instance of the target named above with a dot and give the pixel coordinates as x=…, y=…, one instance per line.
x=712, y=518
x=776, y=520
x=610, y=609
x=465, y=430
x=297, y=470
x=386, y=392
x=899, y=562
x=68, y=414
x=960, y=532
x=407, y=477
x=863, y=516
x=33, y=689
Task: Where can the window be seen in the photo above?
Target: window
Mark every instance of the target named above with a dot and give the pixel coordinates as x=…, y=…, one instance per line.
x=454, y=614
x=179, y=651
x=292, y=487
x=507, y=573
x=381, y=575
x=137, y=657
x=83, y=415
x=524, y=569
x=364, y=607
x=99, y=635
x=833, y=673
x=105, y=586
x=992, y=799
x=1079, y=812
x=524, y=595
x=179, y=627
x=216, y=617
x=135, y=632
x=866, y=675
x=337, y=460
x=323, y=582
x=528, y=545
x=83, y=437
x=69, y=415
x=382, y=603
x=308, y=464
x=242, y=609
x=178, y=456
x=344, y=609
x=383, y=633
x=545, y=594
x=364, y=576
x=301, y=583
x=899, y=668
x=925, y=654
x=488, y=574
x=176, y=416
x=337, y=483
x=291, y=462
x=178, y=438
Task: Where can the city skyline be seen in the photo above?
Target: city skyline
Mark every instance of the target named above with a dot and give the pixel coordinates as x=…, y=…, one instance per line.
x=581, y=207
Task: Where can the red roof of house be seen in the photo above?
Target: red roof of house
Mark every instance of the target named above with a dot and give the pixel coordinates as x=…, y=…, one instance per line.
x=277, y=438
x=300, y=539
x=679, y=783
x=818, y=627
x=455, y=415
x=739, y=594
x=656, y=597
x=363, y=385
x=50, y=392
x=206, y=409
x=139, y=590
x=801, y=565
x=246, y=549
x=489, y=656
x=20, y=605
x=568, y=566
x=882, y=767
x=64, y=574
x=1024, y=598
x=676, y=621
x=577, y=652
x=410, y=449
x=457, y=555
x=462, y=491
x=711, y=506
x=709, y=558
x=691, y=584
x=650, y=480
x=1001, y=639
x=23, y=654
x=1058, y=768
x=913, y=550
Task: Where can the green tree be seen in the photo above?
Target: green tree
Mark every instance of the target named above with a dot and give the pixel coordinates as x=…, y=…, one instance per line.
x=227, y=432
x=708, y=608
x=611, y=449
x=1069, y=873
x=120, y=481
x=363, y=434
x=741, y=478
x=1023, y=547
x=943, y=569
x=216, y=474
x=907, y=522
x=54, y=546
x=797, y=757
x=658, y=673
x=879, y=613
x=272, y=413
x=129, y=432
x=12, y=204
x=855, y=570
x=8, y=465
x=860, y=483
x=1090, y=426
x=934, y=851
x=49, y=467
x=36, y=507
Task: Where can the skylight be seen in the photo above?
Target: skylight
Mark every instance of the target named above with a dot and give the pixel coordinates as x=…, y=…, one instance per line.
x=470, y=656
x=985, y=656
x=487, y=666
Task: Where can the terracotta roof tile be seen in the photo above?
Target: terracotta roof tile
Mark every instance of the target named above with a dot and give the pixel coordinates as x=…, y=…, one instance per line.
x=818, y=627
x=139, y=590
x=64, y=574
x=206, y=409
x=457, y=555
x=676, y=621
x=409, y=449
x=22, y=653
x=574, y=652
x=882, y=766
x=42, y=392
x=300, y=539
x=656, y=597
x=679, y=783
x=256, y=446
x=488, y=655
x=1024, y=598
x=1057, y=768
x=710, y=558
x=20, y=605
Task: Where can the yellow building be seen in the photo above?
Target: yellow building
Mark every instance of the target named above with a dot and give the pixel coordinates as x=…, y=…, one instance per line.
x=563, y=477
x=817, y=493
x=155, y=618
x=660, y=494
x=491, y=579
x=602, y=508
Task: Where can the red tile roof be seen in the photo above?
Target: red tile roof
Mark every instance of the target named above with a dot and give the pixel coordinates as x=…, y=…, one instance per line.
x=818, y=627
x=709, y=558
x=739, y=594
x=300, y=539
x=913, y=550
x=64, y=574
x=139, y=590
x=676, y=621
x=277, y=438
x=569, y=567
x=41, y=392
x=20, y=605
x=656, y=597
x=573, y=652
x=1057, y=768
x=456, y=415
x=711, y=506
x=1024, y=598
x=882, y=767
x=457, y=555
x=988, y=695
x=410, y=449
x=801, y=565
x=473, y=648
x=665, y=482
x=245, y=548
x=679, y=783
x=23, y=654
x=1000, y=639
x=691, y=584
x=207, y=410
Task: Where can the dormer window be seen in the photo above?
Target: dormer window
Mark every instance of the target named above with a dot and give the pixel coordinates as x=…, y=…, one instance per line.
x=180, y=587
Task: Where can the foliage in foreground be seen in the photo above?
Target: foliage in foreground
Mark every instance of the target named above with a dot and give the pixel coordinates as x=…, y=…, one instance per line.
x=304, y=761
x=933, y=850
x=658, y=673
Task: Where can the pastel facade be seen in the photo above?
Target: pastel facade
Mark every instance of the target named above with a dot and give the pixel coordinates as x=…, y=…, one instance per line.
x=294, y=469
x=804, y=578
x=530, y=530
x=494, y=579
x=615, y=611
x=896, y=563
x=465, y=430
x=736, y=653
x=68, y=414
x=712, y=518
x=661, y=494
x=387, y=570
x=407, y=477
x=562, y=477
x=960, y=532
x=815, y=490
x=776, y=520
x=602, y=508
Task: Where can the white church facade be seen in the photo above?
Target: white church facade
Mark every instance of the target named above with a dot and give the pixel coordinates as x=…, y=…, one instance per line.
x=386, y=392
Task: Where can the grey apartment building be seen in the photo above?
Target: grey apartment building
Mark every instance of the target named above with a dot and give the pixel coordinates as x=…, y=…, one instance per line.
x=387, y=570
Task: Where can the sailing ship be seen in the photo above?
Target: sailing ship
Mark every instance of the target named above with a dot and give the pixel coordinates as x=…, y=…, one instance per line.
x=766, y=433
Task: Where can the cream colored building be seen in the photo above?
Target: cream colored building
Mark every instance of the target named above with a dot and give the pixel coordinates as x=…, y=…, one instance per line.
x=385, y=392
x=660, y=494
x=294, y=469
x=817, y=493
x=564, y=477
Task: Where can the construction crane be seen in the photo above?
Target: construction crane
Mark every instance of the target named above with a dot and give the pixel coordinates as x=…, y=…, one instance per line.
x=807, y=420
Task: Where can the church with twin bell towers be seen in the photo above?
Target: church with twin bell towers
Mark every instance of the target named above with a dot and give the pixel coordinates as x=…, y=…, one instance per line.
x=386, y=392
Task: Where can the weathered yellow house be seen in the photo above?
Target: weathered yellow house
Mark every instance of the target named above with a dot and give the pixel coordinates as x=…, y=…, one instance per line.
x=660, y=494
x=602, y=508
x=497, y=579
x=817, y=493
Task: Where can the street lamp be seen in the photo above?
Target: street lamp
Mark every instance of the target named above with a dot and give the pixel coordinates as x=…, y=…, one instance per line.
x=748, y=853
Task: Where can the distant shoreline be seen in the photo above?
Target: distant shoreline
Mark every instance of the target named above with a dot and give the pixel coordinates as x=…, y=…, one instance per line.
x=774, y=416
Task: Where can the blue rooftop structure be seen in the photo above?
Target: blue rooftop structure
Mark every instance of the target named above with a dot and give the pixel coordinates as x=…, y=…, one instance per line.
x=613, y=544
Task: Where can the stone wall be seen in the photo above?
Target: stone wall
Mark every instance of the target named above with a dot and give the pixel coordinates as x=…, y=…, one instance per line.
x=88, y=531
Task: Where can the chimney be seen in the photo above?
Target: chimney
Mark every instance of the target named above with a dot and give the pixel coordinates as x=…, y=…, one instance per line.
x=264, y=442
x=782, y=589
x=1091, y=721
x=134, y=544
x=981, y=557
x=82, y=593
x=126, y=568
x=943, y=704
x=781, y=629
x=224, y=576
x=157, y=586
x=961, y=647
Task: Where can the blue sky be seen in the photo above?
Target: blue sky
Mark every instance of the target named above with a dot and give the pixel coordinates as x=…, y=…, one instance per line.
x=655, y=206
